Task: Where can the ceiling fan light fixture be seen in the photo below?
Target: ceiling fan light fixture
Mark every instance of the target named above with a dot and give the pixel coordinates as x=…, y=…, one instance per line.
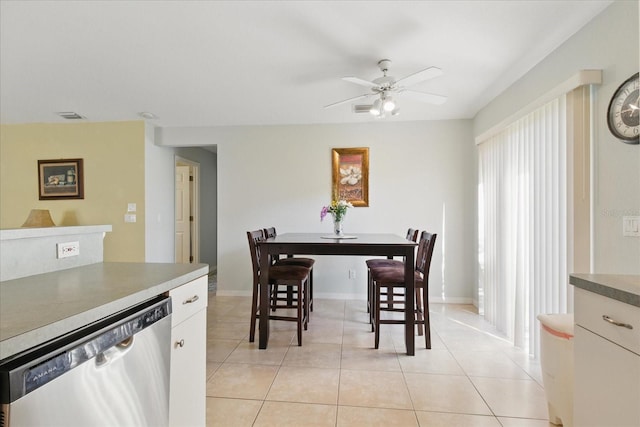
x=386, y=85
x=388, y=104
x=376, y=108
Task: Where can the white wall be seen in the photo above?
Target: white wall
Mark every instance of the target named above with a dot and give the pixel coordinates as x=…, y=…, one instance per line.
x=159, y=170
x=421, y=173
x=610, y=43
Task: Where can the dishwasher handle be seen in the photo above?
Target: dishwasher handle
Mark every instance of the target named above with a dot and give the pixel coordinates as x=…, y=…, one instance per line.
x=116, y=352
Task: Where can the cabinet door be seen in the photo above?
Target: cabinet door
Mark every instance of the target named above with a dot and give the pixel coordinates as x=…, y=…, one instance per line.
x=187, y=402
x=607, y=382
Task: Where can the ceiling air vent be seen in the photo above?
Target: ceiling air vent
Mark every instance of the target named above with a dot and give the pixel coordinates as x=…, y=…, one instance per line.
x=147, y=115
x=362, y=108
x=70, y=115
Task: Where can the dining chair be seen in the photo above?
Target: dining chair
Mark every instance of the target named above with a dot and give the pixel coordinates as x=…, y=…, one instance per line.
x=412, y=234
x=290, y=260
x=386, y=279
x=294, y=276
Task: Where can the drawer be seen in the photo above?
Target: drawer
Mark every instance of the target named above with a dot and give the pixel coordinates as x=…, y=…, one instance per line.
x=590, y=309
x=188, y=299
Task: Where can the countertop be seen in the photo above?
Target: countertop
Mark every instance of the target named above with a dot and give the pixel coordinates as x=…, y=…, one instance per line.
x=38, y=308
x=624, y=288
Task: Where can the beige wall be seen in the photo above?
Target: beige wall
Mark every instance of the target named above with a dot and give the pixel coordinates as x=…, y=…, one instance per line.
x=113, y=154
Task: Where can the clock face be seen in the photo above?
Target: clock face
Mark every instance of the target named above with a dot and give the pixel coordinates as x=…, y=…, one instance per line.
x=624, y=112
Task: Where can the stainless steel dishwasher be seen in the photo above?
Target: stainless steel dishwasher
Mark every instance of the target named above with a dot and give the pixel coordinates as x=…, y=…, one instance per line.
x=114, y=372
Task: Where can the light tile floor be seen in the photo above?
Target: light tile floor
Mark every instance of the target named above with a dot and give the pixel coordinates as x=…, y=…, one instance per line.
x=470, y=377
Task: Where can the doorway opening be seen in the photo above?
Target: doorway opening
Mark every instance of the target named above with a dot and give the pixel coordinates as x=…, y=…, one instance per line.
x=187, y=218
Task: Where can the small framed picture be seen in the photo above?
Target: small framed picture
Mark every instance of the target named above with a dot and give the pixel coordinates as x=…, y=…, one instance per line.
x=351, y=175
x=60, y=179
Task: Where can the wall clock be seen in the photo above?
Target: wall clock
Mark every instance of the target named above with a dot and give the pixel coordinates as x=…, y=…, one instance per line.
x=623, y=115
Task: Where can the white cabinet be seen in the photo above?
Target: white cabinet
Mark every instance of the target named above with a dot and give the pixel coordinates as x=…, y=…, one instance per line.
x=607, y=365
x=187, y=398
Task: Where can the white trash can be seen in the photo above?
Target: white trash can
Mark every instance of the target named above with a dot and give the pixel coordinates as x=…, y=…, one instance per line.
x=556, y=360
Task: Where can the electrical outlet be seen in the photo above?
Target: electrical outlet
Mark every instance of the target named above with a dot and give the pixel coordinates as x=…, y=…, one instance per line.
x=352, y=274
x=69, y=249
x=131, y=217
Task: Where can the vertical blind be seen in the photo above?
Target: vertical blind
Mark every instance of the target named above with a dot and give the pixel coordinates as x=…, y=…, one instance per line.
x=523, y=223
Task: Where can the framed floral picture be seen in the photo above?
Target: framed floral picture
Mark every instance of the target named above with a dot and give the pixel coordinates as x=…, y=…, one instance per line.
x=60, y=179
x=351, y=175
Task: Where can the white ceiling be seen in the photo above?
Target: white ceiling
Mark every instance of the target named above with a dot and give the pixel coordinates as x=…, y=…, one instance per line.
x=207, y=63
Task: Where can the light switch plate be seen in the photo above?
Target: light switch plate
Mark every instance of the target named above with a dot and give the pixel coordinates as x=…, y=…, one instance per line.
x=631, y=226
x=129, y=217
x=131, y=207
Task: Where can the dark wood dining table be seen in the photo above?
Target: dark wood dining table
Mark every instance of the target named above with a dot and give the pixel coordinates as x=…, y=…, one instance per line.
x=359, y=245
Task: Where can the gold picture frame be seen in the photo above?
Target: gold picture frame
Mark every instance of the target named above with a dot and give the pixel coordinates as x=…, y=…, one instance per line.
x=350, y=176
x=60, y=179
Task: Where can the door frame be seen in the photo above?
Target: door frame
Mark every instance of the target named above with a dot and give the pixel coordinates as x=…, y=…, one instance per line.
x=194, y=171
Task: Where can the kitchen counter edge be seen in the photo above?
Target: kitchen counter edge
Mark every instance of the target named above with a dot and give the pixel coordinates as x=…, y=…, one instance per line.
x=623, y=288
x=111, y=287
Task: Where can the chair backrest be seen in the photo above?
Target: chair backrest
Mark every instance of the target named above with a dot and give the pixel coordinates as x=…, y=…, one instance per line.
x=412, y=234
x=254, y=238
x=425, y=253
x=270, y=232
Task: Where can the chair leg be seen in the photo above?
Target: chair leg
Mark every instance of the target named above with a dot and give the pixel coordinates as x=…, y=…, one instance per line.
x=369, y=307
x=371, y=300
x=290, y=295
x=311, y=290
x=419, y=311
x=299, y=312
x=274, y=297
x=427, y=322
x=306, y=302
x=254, y=312
x=377, y=315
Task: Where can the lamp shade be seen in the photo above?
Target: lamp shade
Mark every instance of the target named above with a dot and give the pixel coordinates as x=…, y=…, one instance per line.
x=38, y=218
x=388, y=104
x=376, y=108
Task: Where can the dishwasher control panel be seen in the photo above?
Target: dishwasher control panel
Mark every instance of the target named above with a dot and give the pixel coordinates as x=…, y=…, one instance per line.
x=35, y=368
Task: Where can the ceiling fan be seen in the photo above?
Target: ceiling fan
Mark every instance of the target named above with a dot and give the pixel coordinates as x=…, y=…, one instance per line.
x=384, y=86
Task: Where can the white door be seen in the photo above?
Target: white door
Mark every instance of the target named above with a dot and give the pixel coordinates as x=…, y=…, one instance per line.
x=183, y=213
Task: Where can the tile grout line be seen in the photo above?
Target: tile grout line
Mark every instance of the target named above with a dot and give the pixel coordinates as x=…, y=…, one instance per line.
x=467, y=376
x=344, y=309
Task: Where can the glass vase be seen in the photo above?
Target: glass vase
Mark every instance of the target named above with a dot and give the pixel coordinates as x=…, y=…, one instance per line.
x=337, y=227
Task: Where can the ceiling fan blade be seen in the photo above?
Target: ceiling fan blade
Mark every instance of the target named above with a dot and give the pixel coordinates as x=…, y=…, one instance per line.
x=360, y=81
x=420, y=76
x=349, y=100
x=424, y=97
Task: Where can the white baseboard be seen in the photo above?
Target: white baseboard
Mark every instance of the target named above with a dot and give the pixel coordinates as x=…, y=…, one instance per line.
x=224, y=293
x=324, y=295
x=450, y=300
